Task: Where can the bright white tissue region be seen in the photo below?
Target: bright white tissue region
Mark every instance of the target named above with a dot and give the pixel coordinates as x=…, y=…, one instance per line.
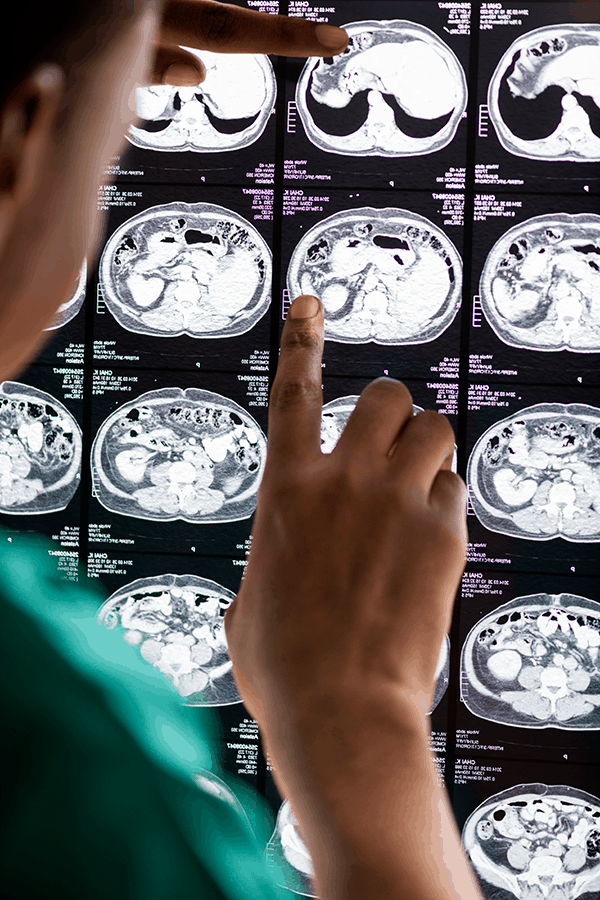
x=388, y=276
x=69, y=309
x=176, y=622
x=544, y=96
x=336, y=413
x=227, y=111
x=287, y=854
x=209, y=783
x=173, y=454
x=536, y=474
x=397, y=90
x=533, y=663
x=40, y=451
x=536, y=841
x=187, y=268
x=540, y=285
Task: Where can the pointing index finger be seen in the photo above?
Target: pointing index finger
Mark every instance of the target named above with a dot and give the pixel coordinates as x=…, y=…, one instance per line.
x=225, y=28
x=296, y=396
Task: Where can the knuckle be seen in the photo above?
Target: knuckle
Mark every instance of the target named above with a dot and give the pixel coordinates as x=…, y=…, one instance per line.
x=301, y=339
x=295, y=391
x=217, y=25
x=435, y=424
x=387, y=387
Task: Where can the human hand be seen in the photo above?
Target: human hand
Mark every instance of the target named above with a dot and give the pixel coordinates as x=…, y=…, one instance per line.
x=226, y=28
x=356, y=555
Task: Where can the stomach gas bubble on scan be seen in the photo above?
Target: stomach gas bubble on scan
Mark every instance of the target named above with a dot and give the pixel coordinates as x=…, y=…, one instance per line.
x=540, y=285
x=388, y=276
x=229, y=110
x=397, y=90
x=544, y=96
x=174, y=454
x=535, y=474
x=176, y=623
x=40, y=451
x=536, y=841
x=533, y=663
x=69, y=309
x=187, y=268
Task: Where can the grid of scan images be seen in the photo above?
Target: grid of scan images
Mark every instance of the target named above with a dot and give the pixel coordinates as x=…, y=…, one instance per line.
x=438, y=187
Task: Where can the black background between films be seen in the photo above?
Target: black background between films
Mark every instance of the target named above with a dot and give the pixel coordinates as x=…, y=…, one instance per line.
x=513, y=772
x=417, y=171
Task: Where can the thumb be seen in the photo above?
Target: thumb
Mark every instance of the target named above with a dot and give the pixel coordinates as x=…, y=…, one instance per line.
x=175, y=66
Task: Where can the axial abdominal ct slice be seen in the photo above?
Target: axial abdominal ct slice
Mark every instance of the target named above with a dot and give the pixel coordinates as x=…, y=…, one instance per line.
x=536, y=841
x=69, y=309
x=397, y=90
x=533, y=663
x=540, y=285
x=544, y=96
x=536, y=474
x=187, y=268
x=176, y=622
x=173, y=454
x=40, y=451
x=388, y=276
x=227, y=111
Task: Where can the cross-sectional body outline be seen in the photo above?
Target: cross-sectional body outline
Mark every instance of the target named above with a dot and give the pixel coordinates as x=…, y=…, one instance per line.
x=533, y=663
x=386, y=276
x=536, y=840
x=534, y=474
x=406, y=103
x=176, y=622
x=40, y=451
x=228, y=111
x=69, y=309
x=555, y=71
x=540, y=284
x=181, y=454
x=187, y=268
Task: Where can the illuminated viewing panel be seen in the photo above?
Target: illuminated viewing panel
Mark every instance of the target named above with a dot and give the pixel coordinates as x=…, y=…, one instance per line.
x=176, y=622
x=187, y=268
x=384, y=275
x=40, y=451
x=535, y=474
x=227, y=111
x=544, y=97
x=540, y=287
x=536, y=840
x=397, y=90
x=173, y=454
x=533, y=662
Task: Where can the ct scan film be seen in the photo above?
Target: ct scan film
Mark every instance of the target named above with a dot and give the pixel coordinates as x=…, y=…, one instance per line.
x=437, y=186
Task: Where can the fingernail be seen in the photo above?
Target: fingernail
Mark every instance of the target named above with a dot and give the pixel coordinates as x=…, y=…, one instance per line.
x=48, y=76
x=304, y=307
x=330, y=37
x=181, y=75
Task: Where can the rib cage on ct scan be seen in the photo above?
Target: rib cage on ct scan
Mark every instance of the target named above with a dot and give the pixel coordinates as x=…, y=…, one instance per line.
x=397, y=90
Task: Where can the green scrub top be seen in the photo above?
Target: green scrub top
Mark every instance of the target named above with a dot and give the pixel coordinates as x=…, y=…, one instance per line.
x=98, y=756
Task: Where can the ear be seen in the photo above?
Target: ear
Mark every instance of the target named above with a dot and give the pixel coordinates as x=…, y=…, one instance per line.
x=27, y=122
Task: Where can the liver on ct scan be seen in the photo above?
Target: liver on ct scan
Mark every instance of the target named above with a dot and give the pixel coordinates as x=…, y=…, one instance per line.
x=40, y=451
x=173, y=454
x=535, y=474
x=187, y=268
x=227, y=111
x=535, y=841
x=544, y=95
x=540, y=285
x=397, y=90
x=176, y=622
x=533, y=663
x=388, y=276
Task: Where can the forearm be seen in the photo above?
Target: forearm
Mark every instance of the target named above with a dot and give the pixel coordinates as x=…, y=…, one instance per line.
x=377, y=823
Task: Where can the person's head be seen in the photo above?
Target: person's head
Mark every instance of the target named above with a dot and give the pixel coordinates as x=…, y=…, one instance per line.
x=65, y=105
